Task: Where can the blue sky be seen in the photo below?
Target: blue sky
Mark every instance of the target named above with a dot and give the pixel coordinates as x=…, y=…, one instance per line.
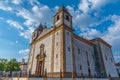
x=91, y=19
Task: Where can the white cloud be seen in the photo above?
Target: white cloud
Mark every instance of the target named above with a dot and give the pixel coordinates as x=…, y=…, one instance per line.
x=4, y=6
x=27, y=33
x=36, y=15
x=84, y=21
x=112, y=35
x=33, y=17
x=23, y=57
x=84, y=5
x=24, y=51
x=56, y=8
x=15, y=24
x=88, y=5
x=17, y=2
x=41, y=14
x=91, y=33
x=27, y=15
x=34, y=2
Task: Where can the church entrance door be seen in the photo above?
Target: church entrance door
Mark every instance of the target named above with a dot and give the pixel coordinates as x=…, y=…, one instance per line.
x=39, y=68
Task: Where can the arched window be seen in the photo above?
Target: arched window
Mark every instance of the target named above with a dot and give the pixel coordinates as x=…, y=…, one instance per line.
x=57, y=17
x=67, y=17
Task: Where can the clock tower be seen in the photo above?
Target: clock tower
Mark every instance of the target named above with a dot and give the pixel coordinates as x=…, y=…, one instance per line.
x=63, y=17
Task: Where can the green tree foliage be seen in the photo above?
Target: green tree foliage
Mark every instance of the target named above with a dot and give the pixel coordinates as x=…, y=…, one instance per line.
x=11, y=65
x=3, y=63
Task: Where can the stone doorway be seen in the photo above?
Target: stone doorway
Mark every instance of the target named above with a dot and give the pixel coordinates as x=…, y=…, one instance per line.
x=40, y=62
x=39, y=67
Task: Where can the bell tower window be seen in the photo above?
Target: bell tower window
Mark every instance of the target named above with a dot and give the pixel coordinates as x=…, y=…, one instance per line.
x=57, y=17
x=67, y=17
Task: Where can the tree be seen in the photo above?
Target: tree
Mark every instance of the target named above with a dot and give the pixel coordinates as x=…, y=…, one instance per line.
x=3, y=63
x=13, y=65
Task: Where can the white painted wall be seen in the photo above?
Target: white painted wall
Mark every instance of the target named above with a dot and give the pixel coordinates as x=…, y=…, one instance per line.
x=68, y=43
x=57, y=46
x=58, y=23
x=109, y=65
x=48, y=49
x=30, y=57
x=81, y=59
x=66, y=22
x=23, y=68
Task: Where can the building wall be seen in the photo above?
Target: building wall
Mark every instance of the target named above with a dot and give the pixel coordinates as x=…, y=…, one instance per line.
x=23, y=67
x=68, y=51
x=58, y=22
x=48, y=49
x=108, y=60
x=118, y=70
x=66, y=22
x=80, y=51
x=31, y=54
x=57, y=45
x=98, y=60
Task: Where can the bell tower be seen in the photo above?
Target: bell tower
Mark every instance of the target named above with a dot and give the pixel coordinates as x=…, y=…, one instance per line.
x=63, y=17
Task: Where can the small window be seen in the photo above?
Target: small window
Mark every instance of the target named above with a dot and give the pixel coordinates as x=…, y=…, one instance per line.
x=78, y=51
x=57, y=17
x=67, y=17
x=87, y=59
x=105, y=57
x=80, y=67
x=87, y=54
x=56, y=55
x=57, y=44
x=93, y=56
x=69, y=49
x=57, y=33
x=68, y=33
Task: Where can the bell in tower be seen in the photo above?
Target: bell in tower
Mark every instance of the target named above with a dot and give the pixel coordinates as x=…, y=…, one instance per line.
x=63, y=17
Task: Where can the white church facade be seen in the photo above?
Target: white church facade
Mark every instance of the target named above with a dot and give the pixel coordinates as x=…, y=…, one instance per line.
x=58, y=52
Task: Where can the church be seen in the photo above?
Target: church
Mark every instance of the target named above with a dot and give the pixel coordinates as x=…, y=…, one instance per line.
x=59, y=52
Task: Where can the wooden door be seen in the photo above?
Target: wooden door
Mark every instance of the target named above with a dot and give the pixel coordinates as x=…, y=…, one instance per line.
x=39, y=69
